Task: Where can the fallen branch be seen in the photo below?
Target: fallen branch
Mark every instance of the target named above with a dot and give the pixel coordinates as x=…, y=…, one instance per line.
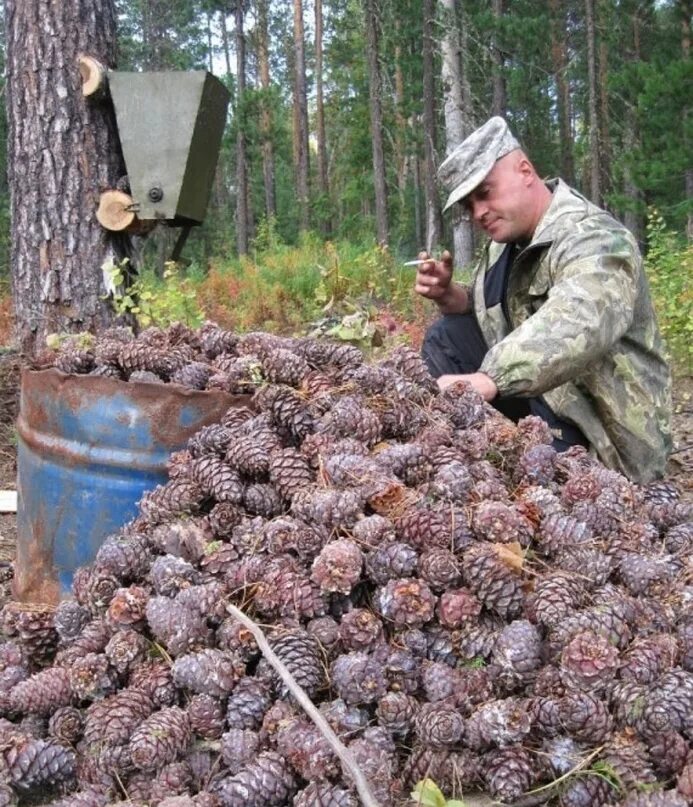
x=305, y=702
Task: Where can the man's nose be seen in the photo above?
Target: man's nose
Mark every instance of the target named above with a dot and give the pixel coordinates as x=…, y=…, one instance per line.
x=479, y=210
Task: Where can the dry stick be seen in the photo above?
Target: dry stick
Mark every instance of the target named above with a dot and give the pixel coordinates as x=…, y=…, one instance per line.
x=338, y=747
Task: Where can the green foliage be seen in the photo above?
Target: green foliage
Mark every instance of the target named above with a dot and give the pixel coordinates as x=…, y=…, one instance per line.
x=338, y=287
x=428, y=794
x=669, y=268
x=153, y=300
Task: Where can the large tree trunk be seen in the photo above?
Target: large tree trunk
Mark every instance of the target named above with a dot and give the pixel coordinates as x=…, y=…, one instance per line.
x=63, y=151
x=323, y=180
x=242, y=213
x=592, y=104
x=434, y=225
x=499, y=102
x=560, y=71
x=301, y=153
x=457, y=118
x=372, y=35
x=266, y=110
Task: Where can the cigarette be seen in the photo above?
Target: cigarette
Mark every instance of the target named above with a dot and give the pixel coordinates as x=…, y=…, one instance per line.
x=418, y=262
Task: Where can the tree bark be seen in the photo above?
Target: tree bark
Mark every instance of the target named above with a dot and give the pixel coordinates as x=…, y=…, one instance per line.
x=434, y=225
x=592, y=104
x=499, y=102
x=63, y=151
x=633, y=217
x=302, y=156
x=372, y=37
x=242, y=217
x=603, y=81
x=457, y=119
x=686, y=55
x=225, y=41
x=560, y=71
x=401, y=156
x=323, y=179
x=266, y=110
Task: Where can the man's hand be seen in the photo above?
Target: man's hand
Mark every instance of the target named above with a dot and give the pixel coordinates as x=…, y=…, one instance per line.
x=480, y=382
x=434, y=281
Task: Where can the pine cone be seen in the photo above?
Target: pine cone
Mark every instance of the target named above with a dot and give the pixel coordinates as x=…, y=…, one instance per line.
x=494, y=583
x=160, y=739
x=324, y=794
x=32, y=764
x=209, y=671
x=338, y=566
x=585, y=718
x=589, y=790
x=248, y=703
x=501, y=523
x=267, y=782
x=396, y=712
x=300, y=653
x=360, y=629
x=508, y=772
x=217, y=479
x=407, y=603
x=239, y=747
x=358, y=678
x=112, y=721
x=207, y=716
x=43, y=692
x=590, y=660
x=439, y=725
x=390, y=561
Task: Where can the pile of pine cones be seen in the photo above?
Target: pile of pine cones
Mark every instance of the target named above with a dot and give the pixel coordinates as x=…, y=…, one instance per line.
x=460, y=601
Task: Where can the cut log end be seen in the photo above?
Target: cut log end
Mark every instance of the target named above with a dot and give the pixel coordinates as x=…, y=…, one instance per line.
x=93, y=75
x=115, y=210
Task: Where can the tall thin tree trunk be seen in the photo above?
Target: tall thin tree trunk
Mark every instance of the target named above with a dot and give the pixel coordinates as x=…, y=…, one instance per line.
x=302, y=156
x=434, y=225
x=372, y=44
x=499, y=102
x=633, y=218
x=560, y=70
x=686, y=55
x=457, y=118
x=592, y=103
x=266, y=110
x=418, y=224
x=63, y=151
x=323, y=179
x=603, y=81
x=242, y=218
x=210, y=50
x=400, y=121
x=225, y=41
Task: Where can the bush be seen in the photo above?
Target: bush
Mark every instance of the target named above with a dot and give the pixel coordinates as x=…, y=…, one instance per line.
x=669, y=268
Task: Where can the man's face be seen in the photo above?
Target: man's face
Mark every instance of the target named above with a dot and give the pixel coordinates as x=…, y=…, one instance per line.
x=501, y=204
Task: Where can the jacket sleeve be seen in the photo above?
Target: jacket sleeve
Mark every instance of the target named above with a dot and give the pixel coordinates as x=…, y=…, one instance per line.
x=588, y=309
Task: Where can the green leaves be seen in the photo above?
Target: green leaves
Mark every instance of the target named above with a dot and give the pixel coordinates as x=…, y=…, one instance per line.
x=428, y=794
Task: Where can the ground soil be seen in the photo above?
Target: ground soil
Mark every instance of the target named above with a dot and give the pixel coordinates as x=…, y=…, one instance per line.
x=680, y=465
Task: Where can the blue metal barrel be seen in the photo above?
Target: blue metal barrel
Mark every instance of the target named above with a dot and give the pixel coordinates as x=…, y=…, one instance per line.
x=88, y=448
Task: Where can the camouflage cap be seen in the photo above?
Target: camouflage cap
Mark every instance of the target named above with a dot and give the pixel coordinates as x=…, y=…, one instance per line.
x=470, y=163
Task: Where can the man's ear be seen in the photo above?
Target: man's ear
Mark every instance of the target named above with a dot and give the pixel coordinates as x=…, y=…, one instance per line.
x=526, y=169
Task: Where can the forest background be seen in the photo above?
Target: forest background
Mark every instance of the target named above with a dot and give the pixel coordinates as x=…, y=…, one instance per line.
x=341, y=111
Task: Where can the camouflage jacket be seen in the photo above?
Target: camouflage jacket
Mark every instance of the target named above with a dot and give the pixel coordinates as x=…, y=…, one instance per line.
x=583, y=334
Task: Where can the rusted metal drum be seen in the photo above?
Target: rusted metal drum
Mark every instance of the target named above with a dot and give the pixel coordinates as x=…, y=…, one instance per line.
x=88, y=448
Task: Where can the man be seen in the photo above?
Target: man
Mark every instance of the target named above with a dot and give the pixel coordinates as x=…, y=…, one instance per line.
x=558, y=320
